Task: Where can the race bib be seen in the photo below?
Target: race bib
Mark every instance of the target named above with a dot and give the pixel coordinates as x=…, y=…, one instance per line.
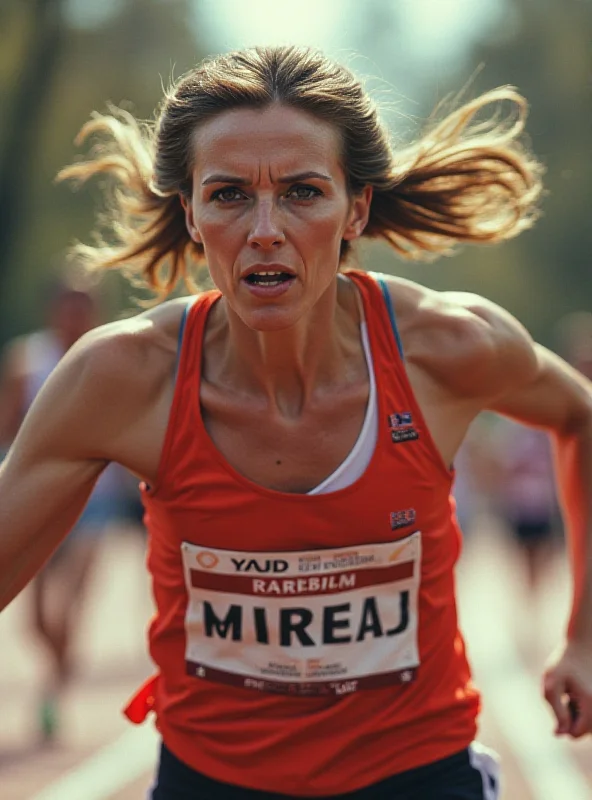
x=319, y=622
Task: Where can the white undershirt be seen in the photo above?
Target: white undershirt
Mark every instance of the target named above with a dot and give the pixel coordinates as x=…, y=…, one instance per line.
x=359, y=456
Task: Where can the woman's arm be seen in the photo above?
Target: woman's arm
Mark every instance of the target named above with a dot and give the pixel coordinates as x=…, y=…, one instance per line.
x=41, y=497
x=107, y=400
x=50, y=470
x=97, y=406
x=479, y=357
x=560, y=400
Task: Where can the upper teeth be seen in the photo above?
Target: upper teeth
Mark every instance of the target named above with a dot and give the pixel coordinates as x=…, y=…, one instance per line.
x=267, y=273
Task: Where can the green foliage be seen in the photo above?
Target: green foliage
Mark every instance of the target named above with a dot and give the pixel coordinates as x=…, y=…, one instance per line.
x=547, y=53
x=126, y=60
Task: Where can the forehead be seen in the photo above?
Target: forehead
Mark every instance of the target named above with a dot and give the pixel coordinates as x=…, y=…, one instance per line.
x=282, y=138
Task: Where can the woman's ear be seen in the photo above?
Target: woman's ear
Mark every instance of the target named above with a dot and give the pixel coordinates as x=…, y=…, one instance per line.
x=189, y=220
x=358, y=214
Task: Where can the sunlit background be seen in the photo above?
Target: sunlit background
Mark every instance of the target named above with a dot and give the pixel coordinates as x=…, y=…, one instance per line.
x=61, y=59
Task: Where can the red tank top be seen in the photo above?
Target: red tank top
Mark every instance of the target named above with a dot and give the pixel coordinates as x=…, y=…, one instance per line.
x=306, y=644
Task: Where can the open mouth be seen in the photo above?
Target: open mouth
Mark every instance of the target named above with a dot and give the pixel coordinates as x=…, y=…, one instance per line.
x=268, y=278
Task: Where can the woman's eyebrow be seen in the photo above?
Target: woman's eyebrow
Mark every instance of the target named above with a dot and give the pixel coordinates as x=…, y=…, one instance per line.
x=304, y=176
x=225, y=179
x=300, y=176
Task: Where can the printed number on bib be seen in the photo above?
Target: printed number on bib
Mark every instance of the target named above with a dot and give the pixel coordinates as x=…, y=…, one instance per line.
x=305, y=623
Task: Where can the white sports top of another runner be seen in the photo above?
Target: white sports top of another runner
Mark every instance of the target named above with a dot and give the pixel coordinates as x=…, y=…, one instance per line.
x=42, y=353
x=359, y=457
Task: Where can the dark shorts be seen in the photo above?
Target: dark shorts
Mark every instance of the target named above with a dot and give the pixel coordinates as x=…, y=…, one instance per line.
x=530, y=532
x=472, y=774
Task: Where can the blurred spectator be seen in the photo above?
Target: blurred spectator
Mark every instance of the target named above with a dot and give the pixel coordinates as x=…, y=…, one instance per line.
x=575, y=340
x=475, y=472
x=526, y=497
x=57, y=592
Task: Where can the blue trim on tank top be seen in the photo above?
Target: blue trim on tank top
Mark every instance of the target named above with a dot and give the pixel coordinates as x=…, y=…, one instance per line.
x=387, y=300
x=391, y=312
x=181, y=332
x=385, y=294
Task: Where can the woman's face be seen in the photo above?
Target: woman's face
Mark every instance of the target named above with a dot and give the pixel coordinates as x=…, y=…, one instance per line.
x=270, y=207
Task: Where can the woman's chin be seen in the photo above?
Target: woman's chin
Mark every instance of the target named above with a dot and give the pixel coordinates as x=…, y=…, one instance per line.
x=270, y=320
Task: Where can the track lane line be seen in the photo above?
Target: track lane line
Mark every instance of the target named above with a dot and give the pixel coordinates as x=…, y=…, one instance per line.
x=109, y=770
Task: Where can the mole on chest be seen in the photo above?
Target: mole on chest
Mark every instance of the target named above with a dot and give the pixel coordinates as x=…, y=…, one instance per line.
x=289, y=459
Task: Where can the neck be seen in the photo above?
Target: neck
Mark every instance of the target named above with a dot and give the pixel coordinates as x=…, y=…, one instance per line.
x=286, y=368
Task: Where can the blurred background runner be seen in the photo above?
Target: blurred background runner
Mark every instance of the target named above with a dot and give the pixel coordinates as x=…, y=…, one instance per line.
x=525, y=496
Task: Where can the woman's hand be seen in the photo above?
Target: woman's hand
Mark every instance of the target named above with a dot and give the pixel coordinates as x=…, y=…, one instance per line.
x=567, y=684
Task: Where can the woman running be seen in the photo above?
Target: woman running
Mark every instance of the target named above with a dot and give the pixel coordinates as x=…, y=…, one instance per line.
x=294, y=430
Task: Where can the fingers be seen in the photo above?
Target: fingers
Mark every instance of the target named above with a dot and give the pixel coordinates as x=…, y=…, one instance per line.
x=580, y=711
x=555, y=695
x=571, y=706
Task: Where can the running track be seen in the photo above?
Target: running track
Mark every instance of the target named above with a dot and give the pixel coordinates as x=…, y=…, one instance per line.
x=100, y=757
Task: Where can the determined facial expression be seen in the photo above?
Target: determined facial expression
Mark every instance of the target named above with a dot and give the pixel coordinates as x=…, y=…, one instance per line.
x=270, y=207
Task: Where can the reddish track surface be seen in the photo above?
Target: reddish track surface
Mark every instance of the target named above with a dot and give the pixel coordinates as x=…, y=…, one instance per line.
x=113, y=662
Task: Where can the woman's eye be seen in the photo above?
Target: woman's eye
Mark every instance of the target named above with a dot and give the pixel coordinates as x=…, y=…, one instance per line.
x=227, y=195
x=303, y=192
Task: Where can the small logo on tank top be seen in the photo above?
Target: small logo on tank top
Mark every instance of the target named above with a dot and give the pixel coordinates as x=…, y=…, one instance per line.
x=401, y=519
x=401, y=426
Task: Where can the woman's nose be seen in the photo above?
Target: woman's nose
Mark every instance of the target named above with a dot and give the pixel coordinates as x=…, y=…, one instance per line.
x=266, y=230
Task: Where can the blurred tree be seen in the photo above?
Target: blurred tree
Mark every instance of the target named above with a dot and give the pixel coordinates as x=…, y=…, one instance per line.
x=544, y=47
x=126, y=57
x=548, y=55
x=32, y=71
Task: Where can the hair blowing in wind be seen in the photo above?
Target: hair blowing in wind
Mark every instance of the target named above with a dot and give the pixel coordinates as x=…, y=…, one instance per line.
x=466, y=179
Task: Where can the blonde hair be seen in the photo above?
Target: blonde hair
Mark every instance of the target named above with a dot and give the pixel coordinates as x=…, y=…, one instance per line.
x=461, y=181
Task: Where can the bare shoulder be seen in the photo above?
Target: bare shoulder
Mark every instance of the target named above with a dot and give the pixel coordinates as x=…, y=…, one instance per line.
x=468, y=344
x=134, y=349
x=108, y=382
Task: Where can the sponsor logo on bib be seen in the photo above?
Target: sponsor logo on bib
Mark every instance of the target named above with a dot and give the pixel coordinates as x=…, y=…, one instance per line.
x=261, y=565
x=206, y=559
